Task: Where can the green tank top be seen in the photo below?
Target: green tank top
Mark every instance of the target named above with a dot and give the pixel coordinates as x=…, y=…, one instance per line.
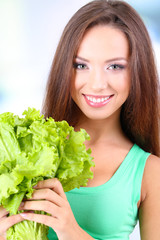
x=109, y=211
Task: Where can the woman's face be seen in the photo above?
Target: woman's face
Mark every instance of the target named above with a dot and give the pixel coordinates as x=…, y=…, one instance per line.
x=102, y=81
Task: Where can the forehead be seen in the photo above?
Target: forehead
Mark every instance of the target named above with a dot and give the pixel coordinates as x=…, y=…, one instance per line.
x=105, y=41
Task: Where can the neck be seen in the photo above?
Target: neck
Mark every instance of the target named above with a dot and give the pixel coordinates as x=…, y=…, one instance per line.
x=102, y=130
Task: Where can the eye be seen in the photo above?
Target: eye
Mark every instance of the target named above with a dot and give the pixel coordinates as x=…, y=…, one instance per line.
x=116, y=67
x=80, y=66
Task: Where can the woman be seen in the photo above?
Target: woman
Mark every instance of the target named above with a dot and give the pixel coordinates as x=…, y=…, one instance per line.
x=104, y=79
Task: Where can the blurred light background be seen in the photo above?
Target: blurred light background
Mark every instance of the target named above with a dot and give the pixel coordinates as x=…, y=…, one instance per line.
x=29, y=33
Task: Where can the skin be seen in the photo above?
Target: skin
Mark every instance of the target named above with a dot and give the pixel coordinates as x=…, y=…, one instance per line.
x=98, y=73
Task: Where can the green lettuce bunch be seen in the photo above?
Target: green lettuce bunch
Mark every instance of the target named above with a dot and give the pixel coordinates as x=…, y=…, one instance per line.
x=33, y=148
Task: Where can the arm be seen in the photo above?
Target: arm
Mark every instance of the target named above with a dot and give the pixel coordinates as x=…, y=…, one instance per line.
x=149, y=211
x=54, y=201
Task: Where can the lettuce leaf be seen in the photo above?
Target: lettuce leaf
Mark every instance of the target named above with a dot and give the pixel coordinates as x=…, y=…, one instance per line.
x=33, y=148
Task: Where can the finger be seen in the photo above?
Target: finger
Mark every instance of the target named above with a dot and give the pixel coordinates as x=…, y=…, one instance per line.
x=53, y=184
x=3, y=212
x=49, y=195
x=7, y=222
x=45, y=206
x=2, y=238
x=44, y=219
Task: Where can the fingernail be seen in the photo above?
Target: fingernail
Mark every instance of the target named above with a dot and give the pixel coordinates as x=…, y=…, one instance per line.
x=22, y=204
x=35, y=186
x=24, y=215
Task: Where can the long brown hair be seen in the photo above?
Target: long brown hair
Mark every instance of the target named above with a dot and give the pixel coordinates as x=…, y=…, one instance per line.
x=140, y=112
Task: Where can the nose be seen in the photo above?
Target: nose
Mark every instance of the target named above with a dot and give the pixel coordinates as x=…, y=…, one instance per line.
x=98, y=80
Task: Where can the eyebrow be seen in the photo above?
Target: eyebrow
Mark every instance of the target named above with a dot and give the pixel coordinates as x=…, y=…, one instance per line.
x=109, y=60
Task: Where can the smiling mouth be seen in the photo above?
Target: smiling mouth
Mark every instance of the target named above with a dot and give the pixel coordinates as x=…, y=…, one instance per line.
x=97, y=101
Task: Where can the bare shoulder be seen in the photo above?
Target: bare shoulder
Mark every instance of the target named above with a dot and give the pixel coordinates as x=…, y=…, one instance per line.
x=152, y=171
x=150, y=201
x=151, y=177
x=152, y=164
x=153, y=161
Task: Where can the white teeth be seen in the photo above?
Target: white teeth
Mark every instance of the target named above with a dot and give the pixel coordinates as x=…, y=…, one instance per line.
x=97, y=100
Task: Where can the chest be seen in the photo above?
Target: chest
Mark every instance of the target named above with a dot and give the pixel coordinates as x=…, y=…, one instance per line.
x=105, y=214
x=107, y=161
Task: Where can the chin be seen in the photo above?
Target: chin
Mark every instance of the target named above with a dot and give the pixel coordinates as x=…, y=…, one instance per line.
x=97, y=117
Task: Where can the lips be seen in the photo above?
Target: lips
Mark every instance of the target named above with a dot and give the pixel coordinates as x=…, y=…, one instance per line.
x=97, y=101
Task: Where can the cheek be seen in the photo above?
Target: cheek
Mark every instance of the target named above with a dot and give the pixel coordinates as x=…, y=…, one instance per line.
x=77, y=84
x=124, y=87
x=123, y=84
x=75, y=88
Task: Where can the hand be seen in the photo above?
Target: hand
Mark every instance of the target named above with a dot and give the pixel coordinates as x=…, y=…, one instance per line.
x=7, y=222
x=53, y=200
